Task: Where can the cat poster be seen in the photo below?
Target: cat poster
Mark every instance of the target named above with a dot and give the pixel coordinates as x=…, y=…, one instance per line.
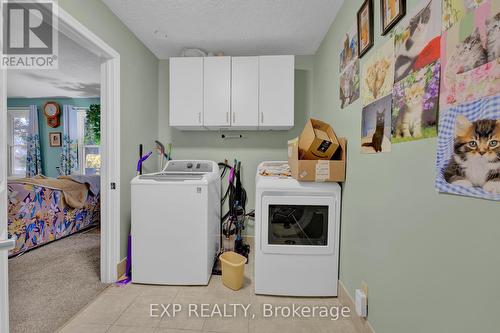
x=415, y=101
x=376, y=126
x=470, y=53
x=349, y=51
x=349, y=69
x=468, y=154
x=349, y=84
x=417, y=39
x=454, y=10
x=378, y=74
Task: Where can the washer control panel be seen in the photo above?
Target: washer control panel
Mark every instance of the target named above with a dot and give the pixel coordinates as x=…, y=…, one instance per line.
x=188, y=166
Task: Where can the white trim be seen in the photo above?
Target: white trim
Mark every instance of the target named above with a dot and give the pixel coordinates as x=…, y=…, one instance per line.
x=76, y=31
x=4, y=280
x=110, y=169
x=13, y=112
x=81, y=115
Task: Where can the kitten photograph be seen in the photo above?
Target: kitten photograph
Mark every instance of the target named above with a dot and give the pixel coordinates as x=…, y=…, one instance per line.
x=470, y=51
x=349, y=84
x=468, y=54
x=409, y=123
x=493, y=37
x=476, y=155
x=413, y=40
x=376, y=126
x=376, y=76
x=349, y=51
x=377, y=73
x=415, y=105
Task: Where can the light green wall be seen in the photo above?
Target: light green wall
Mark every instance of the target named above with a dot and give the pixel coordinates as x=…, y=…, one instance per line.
x=430, y=260
x=51, y=156
x=139, y=92
x=255, y=147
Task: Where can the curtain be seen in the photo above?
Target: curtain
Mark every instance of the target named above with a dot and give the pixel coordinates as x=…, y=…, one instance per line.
x=69, y=155
x=33, y=155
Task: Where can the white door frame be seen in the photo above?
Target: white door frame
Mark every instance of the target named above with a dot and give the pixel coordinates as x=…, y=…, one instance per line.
x=4, y=281
x=110, y=140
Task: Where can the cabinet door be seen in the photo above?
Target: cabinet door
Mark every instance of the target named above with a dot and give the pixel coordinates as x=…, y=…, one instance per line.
x=276, y=92
x=217, y=92
x=245, y=93
x=186, y=92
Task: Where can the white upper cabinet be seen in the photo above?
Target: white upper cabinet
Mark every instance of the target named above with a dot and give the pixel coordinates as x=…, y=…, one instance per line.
x=217, y=92
x=186, y=93
x=245, y=93
x=239, y=93
x=276, y=92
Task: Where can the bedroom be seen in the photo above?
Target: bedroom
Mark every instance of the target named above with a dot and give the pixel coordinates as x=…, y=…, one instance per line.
x=54, y=166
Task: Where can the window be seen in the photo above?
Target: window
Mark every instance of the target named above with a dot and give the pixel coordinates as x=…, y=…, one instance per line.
x=89, y=157
x=17, y=131
x=298, y=225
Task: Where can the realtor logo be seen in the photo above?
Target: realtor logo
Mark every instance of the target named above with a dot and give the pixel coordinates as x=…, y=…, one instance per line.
x=30, y=37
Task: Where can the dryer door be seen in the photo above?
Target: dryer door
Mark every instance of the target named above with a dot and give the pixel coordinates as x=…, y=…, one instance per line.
x=299, y=224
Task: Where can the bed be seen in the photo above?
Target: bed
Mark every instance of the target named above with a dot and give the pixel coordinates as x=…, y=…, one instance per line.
x=41, y=214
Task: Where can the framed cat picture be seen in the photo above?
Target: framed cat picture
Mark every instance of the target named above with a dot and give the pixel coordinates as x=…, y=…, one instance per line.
x=365, y=27
x=391, y=11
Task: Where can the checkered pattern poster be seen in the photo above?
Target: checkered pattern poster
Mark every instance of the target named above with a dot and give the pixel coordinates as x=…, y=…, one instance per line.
x=468, y=154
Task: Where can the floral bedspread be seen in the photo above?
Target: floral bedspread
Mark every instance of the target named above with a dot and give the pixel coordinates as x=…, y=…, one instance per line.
x=37, y=215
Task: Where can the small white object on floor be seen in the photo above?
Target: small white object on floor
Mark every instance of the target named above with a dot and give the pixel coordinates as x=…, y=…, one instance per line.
x=361, y=304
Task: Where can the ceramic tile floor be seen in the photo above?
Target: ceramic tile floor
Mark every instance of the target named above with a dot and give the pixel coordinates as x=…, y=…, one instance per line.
x=127, y=309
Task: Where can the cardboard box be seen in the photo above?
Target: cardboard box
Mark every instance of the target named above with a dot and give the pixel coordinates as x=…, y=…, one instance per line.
x=317, y=170
x=317, y=141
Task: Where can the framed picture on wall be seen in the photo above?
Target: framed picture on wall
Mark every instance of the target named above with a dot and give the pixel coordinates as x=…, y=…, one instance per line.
x=55, y=139
x=365, y=27
x=391, y=11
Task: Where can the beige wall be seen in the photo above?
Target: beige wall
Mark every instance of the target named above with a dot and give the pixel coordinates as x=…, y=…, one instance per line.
x=430, y=260
x=139, y=92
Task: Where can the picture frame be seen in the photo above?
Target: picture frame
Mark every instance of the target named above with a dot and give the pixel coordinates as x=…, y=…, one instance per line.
x=398, y=11
x=55, y=139
x=365, y=27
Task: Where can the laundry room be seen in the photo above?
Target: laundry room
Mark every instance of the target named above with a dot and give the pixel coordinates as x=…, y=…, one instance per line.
x=262, y=166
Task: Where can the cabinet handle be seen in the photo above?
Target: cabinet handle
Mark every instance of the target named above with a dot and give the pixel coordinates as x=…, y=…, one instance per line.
x=262, y=117
x=234, y=117
x=227, y=117
x=199, y=117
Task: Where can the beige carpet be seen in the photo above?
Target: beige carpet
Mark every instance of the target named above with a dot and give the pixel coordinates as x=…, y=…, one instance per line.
x=49, y=285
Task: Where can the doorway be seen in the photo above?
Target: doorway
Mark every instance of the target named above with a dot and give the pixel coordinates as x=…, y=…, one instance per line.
x=110, y=156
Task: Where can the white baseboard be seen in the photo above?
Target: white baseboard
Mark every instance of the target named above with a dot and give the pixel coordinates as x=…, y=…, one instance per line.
x=362, y=325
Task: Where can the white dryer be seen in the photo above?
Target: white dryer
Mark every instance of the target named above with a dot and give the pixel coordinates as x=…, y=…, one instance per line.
x=176, y=224
x=296, y=236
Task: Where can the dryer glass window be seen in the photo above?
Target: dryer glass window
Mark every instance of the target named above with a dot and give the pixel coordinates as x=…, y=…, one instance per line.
x=298, y=225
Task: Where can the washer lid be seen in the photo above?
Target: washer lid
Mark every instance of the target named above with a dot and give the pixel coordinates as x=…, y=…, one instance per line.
x=172, y=176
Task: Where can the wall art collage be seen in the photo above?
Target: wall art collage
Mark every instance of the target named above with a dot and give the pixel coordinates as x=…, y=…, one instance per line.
x=438, y=75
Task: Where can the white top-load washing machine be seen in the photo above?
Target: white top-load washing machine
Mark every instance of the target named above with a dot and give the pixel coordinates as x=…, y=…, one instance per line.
x=176, y=224
x=296, y=236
